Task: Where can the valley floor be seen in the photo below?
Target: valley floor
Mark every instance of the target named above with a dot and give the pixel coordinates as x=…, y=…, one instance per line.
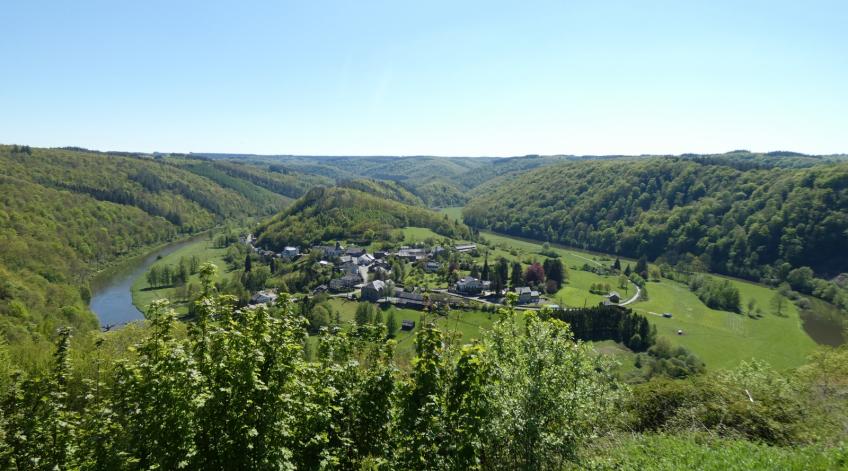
x=721, y=339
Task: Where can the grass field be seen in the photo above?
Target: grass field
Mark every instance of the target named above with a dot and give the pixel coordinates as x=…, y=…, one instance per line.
x=464, y=326
x=143, y=295
x=723, y=338
x=720, y=338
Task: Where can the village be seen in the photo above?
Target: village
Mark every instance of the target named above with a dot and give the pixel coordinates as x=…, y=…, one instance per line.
x=368, y=276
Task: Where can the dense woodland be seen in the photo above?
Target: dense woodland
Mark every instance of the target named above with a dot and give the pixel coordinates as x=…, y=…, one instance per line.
x=65, y=213
x=610, y=323
x=702, y=214
x=438, y=181
x=330, y=214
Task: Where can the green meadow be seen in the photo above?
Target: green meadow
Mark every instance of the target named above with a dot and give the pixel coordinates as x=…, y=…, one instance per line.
x=143, y=294
x=721, y=339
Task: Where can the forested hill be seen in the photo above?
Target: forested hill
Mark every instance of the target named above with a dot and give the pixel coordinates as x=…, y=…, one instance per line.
x=65, y=213
x=437, y=181
x=749, y=223
x=383, y=188
x=337, y=213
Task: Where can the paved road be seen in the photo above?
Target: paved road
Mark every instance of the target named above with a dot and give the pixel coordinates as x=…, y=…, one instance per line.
x=635, y=296
x=625, y=303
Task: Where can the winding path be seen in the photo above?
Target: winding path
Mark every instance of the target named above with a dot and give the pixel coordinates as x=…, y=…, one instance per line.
x=635, y=296
x=625, y=303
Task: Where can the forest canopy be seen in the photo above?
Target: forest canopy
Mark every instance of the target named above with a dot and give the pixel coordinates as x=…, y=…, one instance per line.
x=746, y=223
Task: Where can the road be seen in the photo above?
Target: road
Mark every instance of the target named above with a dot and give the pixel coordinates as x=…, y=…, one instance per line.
x=635, y=296
x=625, y=303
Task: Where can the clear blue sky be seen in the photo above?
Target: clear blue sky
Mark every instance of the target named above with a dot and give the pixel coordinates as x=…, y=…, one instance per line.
x=441, y=78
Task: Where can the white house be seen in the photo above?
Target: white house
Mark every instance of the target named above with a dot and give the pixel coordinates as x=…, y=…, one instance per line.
x=469, y=285
x=432, y=267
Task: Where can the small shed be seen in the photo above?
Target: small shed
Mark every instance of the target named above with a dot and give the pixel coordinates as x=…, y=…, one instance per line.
x=407, y=324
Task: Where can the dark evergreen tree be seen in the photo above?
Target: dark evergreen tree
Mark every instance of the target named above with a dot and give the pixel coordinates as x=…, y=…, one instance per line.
x=517, y=277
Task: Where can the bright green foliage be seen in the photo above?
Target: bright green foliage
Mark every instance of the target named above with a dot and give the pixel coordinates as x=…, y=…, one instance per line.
x=665, y=452
x=549, y=394
x=752, y=401
x=154, y=397
x=739, y=220
x=326, y=214
x=39, y=426
x=422, y=423
x=237, y=392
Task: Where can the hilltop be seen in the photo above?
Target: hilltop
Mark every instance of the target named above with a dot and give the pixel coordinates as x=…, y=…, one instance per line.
x=345, y=213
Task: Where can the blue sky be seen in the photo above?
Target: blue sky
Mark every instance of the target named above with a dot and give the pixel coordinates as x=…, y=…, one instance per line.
x=438, y=78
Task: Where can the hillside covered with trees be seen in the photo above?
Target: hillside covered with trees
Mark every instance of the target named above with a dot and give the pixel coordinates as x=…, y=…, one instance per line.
x=758, y=223
x=64, y=213
x=437, y=181
x=326, y=214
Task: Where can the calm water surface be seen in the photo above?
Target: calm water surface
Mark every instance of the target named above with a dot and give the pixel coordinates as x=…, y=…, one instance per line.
x=111, y=297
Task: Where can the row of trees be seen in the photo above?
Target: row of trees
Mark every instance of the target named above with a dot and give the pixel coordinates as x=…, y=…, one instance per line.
x=160, y=275
x=549, y=275
x=368, y=314
x=722, y=295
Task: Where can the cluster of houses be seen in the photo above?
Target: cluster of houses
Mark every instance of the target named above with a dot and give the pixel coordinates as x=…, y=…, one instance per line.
x=355, y=263
x=470, y=286
x=288, y=253
x=380, y=291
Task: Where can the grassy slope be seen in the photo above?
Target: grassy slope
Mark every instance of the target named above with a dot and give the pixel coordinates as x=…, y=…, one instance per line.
x=454, y=212
x=720, y=338
x=143, y=295
x=674, y=452
x=723, y=338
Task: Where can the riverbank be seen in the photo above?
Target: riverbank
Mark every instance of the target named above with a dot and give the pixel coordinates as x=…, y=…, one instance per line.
x=111, y=299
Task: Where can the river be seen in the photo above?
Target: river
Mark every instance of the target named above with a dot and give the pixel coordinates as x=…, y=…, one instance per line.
x=111, y=290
